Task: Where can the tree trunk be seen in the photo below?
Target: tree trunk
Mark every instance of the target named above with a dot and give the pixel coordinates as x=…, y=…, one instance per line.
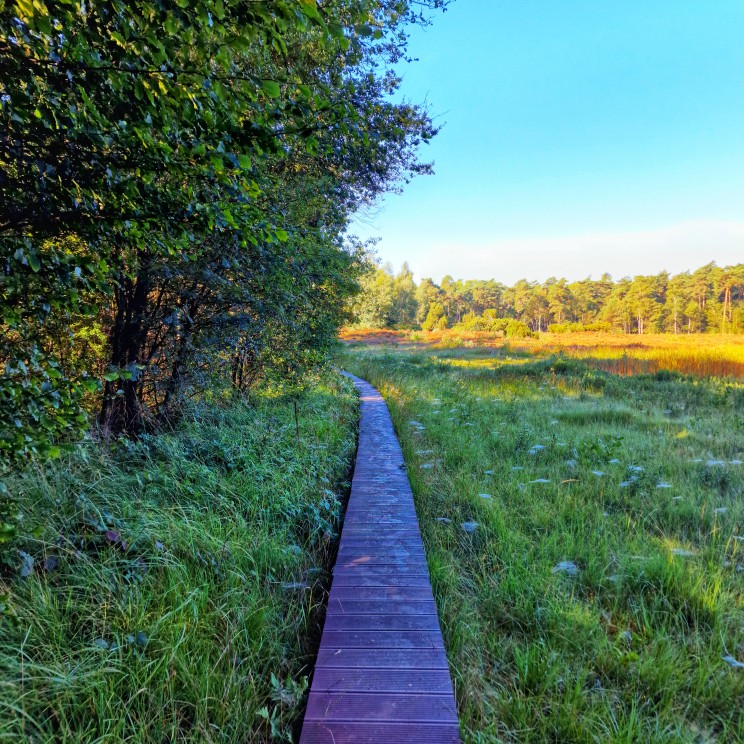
x=182, y=350
x=121, y=410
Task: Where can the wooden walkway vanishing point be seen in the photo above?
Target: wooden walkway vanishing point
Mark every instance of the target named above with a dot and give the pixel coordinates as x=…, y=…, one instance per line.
x=381, y=675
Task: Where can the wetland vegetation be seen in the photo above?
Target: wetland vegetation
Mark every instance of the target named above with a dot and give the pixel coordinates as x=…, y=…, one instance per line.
x=585, y=537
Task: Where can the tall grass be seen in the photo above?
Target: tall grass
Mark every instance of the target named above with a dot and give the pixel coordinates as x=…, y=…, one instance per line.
x=173, y=586
x=701, y=355
x=601, y=596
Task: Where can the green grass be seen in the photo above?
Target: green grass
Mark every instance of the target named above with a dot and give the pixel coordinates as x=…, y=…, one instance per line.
x=176, y=584
x=629, y=646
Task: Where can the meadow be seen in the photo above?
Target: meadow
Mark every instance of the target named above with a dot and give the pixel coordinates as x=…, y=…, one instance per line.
x=704, y=355
x=171, y=588
x=584, y=530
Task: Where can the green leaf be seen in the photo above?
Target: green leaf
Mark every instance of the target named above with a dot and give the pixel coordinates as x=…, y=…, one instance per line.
x=364, y=29
x=336, y=30
x=271, y=88
x=33, y=262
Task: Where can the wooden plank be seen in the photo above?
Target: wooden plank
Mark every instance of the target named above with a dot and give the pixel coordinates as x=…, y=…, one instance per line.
x=380, y=593
x=383, y=571
x=378, y=561
x=337, y=732
x=371, y=554
x=382, y=680
x=395, y=547
x=393, y=707
x=384, y=658
x=371, y=580
x=378, y=542
x=398, y=607
x=398, y=638
x=388, y=621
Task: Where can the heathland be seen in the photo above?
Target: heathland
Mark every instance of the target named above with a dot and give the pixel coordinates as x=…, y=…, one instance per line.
x=584, y=531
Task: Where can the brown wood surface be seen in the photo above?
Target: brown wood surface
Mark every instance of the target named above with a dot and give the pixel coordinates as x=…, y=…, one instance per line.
x=382, y=673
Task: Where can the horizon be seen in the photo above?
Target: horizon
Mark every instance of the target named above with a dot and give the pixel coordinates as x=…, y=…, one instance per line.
x=580, y=139
x=418, y=278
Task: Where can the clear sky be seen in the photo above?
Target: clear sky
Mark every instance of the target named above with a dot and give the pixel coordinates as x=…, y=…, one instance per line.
x=579, y=137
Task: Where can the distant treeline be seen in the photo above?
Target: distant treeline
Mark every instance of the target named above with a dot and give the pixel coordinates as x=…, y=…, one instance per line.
x=709, y=300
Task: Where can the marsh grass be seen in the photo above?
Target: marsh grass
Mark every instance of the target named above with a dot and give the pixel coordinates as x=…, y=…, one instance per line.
x=701, y=355
x=174, y=585
x=604, y=584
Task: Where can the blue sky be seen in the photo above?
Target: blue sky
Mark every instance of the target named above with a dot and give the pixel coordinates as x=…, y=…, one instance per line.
x=579, y=136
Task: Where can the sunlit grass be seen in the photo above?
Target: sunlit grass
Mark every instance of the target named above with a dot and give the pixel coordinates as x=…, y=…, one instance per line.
x=701, y=355
x=603, y=586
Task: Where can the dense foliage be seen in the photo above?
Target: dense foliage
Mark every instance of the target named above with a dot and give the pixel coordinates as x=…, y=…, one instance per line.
x=175, y=182
x=710, y=299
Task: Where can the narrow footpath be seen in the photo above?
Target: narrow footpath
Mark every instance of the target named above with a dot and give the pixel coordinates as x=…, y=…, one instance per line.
x=382, y=674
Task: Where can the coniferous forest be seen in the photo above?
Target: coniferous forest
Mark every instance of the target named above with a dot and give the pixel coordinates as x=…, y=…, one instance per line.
x=707, y=300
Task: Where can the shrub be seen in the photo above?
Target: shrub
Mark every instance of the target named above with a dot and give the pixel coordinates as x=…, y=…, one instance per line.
x=599, y=326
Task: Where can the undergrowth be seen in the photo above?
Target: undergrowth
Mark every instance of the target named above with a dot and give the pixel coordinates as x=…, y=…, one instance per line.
x=170, y=589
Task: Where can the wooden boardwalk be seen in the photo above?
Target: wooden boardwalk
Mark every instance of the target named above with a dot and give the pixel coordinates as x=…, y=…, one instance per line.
x=382, y=674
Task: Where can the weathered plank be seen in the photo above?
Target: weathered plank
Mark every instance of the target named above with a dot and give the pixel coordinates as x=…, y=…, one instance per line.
x=384, y=680
x=397, y=607
x=381, y=673
x=339, y=593
x=371, y=732
x=389, y=621
x=392, y=707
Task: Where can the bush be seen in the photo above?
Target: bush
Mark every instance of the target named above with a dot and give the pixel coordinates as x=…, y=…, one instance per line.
x=518, y=329
x=499, y=326
x=579, y=327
